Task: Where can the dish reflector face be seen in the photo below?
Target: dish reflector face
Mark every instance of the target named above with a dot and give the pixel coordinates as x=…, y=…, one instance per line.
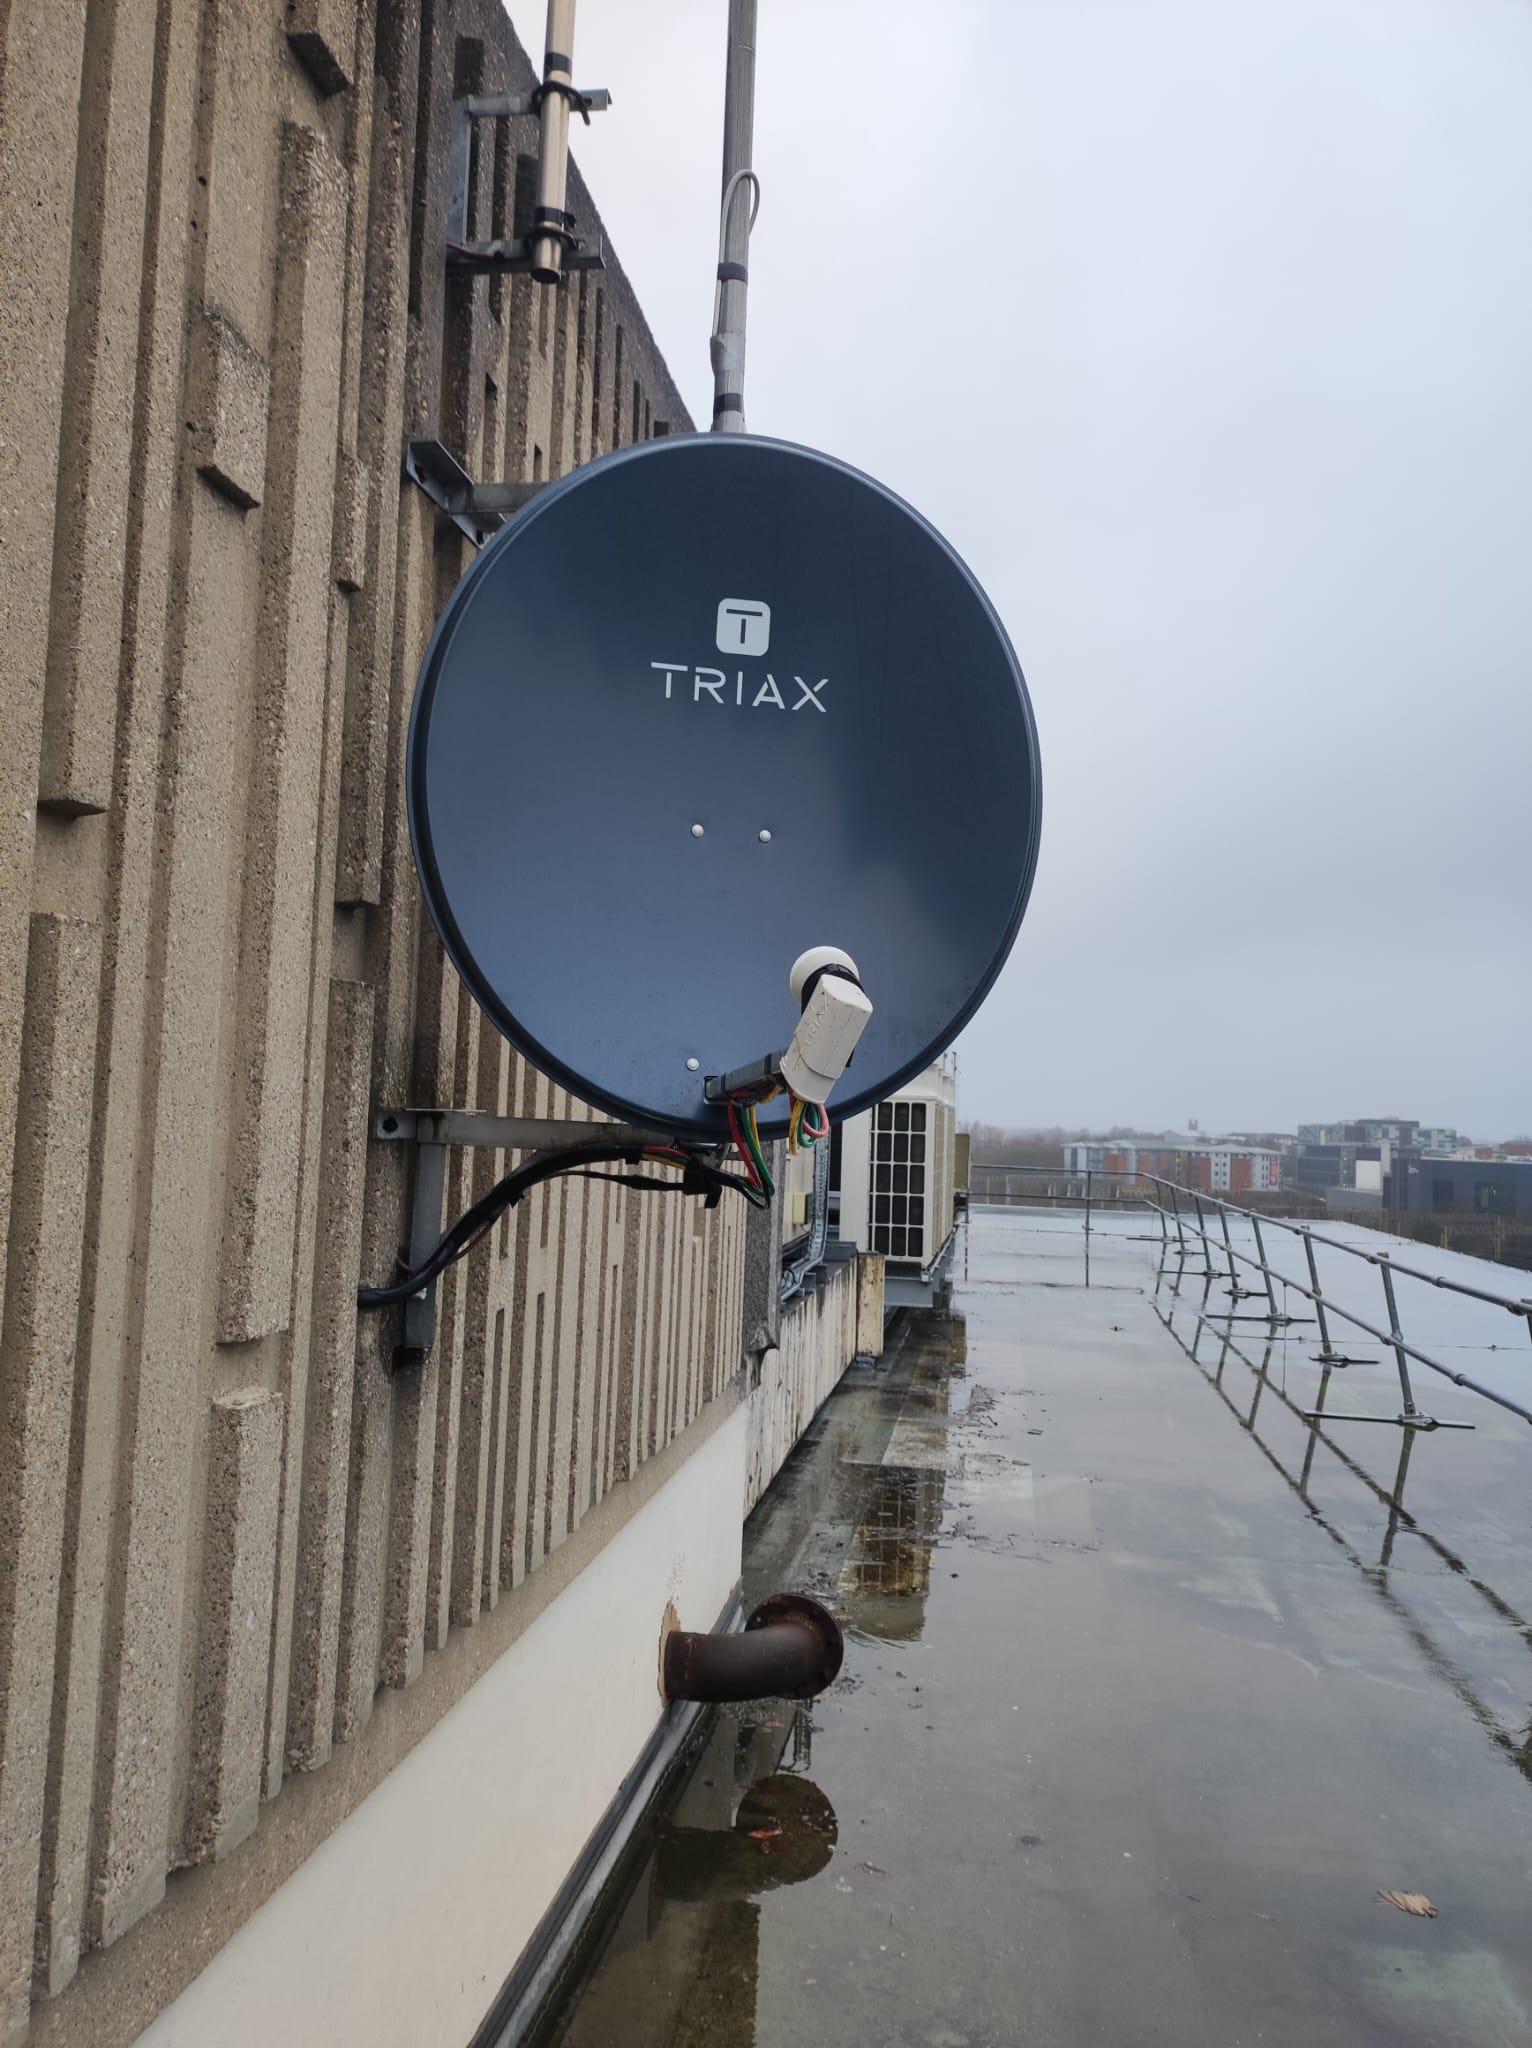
x=708, y=702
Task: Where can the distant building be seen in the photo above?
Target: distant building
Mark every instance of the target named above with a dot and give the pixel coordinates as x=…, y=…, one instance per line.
x=1437, y=1138
x=1334, y=1169
x=1463, y=1187
x=1352, y=1165
x=1214, y=1166
x=1367, y=1130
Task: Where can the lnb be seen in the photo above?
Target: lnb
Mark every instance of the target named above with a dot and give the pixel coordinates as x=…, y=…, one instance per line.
x=835, y=1009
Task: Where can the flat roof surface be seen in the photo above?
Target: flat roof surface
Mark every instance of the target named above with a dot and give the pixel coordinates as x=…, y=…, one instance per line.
x=1151, y=1690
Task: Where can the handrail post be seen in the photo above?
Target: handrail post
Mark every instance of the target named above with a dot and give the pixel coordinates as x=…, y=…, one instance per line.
x=1260, y=1246
x=1236, y=1292
x=1202, y=1232
x=1087, y=1200
x=1396, y=1335
x=1326, y=1354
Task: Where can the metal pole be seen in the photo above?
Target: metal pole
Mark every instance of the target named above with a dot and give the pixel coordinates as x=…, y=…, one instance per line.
x=1396, y=1335
x=553, y=146
x=1236, y=1292
x=728, y=342
x=1260, y=1245
x=1326, y=1355
x=425, y=1230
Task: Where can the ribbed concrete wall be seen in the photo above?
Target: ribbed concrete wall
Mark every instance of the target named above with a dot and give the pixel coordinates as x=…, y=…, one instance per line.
x=225, y=1522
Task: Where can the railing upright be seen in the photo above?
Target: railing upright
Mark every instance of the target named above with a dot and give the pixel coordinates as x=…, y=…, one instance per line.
x=1327, y=1355
x=1236, y=1292
x=1396, y=1338
x=1202, y=1232
x=1260, y=1245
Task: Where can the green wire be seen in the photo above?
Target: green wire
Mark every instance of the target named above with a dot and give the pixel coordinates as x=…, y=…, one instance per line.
x=754, y=1137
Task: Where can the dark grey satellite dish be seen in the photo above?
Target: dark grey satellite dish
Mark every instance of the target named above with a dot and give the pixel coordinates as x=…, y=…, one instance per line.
x=708, y=702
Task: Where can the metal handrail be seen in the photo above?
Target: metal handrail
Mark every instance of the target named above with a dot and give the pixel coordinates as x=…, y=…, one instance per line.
x=1386, y=1264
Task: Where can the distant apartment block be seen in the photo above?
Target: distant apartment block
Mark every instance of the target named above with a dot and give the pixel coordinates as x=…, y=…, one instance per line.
x=1328, y=1169
x=1463, y=1187
x=1437, y=1138
x=1209, y=1165
x=1396, y=1131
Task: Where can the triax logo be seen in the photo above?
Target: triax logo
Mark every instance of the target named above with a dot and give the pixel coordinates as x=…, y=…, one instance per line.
x=744, y=626
x=744, y=629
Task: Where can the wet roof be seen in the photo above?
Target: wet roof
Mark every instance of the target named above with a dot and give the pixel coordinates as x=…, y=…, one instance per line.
x=1153, y=1690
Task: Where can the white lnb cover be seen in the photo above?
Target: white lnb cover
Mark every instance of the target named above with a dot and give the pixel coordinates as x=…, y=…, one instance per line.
x=826, y=1038
x=810, y=963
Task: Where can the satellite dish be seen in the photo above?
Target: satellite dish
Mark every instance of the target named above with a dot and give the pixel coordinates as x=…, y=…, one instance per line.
x=709, y=703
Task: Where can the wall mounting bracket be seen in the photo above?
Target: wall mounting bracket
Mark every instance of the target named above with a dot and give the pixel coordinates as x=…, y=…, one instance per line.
x=432, y=1131
x=519, y=254
x=514, y=254
x=476, y=510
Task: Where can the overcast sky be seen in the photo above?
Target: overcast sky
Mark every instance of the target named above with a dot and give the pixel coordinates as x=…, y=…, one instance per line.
x=1204, y=332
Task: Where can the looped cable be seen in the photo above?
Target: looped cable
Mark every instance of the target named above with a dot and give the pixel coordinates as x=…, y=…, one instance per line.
x=726, y=347
x=729, y=191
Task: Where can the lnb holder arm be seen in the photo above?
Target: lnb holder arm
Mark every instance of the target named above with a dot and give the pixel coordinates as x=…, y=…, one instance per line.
x=759, y=1078
x=835, y=1009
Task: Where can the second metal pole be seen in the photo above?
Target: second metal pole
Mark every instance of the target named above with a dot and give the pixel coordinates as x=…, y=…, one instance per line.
x=553, y=148
x=738, y=202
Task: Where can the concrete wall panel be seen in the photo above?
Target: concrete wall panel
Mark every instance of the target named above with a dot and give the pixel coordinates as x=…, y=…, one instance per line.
x=36, y=1397
x=243, y=1495
x=325, y=1464
x=286, y=744
x=95, y=478
x=39, y=114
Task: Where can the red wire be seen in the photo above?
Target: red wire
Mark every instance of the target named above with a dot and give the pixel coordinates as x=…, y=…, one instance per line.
x=743, y=1149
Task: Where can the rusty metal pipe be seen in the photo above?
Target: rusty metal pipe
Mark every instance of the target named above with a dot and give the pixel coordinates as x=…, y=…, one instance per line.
x=790, y=1648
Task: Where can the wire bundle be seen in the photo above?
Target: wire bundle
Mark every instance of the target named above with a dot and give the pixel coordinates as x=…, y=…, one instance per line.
x=700, y=1176
x=808, y=1124
x=745, y=1132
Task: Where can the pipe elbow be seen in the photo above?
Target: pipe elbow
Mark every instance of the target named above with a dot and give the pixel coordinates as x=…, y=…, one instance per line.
x=790, y=1648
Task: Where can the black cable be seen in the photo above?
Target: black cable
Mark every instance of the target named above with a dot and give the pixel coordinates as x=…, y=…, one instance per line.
x=635, y=1180
x=700, y=1177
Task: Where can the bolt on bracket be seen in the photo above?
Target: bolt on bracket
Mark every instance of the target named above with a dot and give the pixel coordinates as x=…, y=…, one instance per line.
x=514, y=254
